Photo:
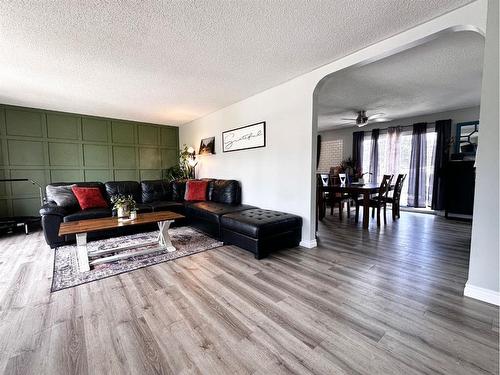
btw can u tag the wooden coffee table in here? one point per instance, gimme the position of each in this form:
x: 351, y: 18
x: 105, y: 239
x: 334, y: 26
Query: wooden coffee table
x: 81, y: 228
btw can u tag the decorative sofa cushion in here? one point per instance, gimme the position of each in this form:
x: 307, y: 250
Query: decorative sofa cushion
x: 62, y: 195
x: 196, y: 190
x: 89, y: 197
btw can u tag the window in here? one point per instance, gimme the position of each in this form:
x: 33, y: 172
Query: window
x: 366, y: 154
x: 403, y: 159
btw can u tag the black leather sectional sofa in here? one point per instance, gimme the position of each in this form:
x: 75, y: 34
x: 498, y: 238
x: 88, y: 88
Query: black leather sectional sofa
x: 222, y: 215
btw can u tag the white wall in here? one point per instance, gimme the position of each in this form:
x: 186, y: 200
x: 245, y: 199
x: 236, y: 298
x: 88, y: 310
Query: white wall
x: 345, y: 134
x: 276, y: 176
x: 281, y: 176
x: 484, y: 280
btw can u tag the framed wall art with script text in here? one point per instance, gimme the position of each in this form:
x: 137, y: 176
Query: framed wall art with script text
x: 250, y: 136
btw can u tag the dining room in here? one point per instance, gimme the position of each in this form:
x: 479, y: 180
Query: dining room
x: 398, y: 137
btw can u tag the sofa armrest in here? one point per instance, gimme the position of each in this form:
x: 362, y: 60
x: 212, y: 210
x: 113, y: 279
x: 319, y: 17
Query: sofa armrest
x: 52, y: 217
x: 51, y: 208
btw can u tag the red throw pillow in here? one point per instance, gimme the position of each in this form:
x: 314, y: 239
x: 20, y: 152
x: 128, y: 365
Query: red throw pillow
x: 196, y: 190
x: 89, y: 197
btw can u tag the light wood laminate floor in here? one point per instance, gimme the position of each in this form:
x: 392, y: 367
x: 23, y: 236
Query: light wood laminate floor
x: 385, y: 301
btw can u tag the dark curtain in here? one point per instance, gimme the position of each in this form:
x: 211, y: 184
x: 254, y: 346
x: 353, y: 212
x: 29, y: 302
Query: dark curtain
x: 443, y: 137
x: 374, y: 156
x: 318, y: 152
x: 417, y: 175
x: 357, y: 150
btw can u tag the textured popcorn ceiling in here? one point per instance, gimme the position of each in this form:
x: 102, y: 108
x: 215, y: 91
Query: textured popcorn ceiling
x: 441, y: 75
x: 173, y: 61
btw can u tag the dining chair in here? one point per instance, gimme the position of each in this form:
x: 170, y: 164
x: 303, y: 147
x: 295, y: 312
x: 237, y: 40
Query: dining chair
x: 396, y: 196
x: 330, y: 198
x: 343, y: 178
x: 327, y: 197
x: 320, y: 198
x: 378, y: 202
x: 325, y: 179
x: 341, y: 198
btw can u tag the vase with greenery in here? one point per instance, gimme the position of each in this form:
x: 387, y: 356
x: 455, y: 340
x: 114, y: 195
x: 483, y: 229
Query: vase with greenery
x: 124, y: 205
x: 182, y: 171
x: 348, y: 166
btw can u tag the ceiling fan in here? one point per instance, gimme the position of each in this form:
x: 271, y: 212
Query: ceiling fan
x: 362, y: 119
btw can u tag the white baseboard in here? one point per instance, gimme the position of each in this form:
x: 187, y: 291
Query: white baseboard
x: 482, y: 294
x: 309, y: 244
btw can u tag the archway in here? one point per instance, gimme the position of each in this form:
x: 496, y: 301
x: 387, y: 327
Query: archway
x: 377, y: 58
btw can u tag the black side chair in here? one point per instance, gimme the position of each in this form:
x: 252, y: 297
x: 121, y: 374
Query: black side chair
x: 325, y: 179
x: 339, y: 198
x: 378, y: 202
x: 322, y: 180
x: 331, y: 198
x: 396, y: 196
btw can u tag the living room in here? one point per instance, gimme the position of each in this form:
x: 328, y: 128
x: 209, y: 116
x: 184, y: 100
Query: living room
x: 159, y: 200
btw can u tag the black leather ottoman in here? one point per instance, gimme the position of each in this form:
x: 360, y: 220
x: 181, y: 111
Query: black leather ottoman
x: 261, y: 231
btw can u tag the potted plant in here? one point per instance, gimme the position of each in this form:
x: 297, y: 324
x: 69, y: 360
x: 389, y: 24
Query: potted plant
x: 348, y: 167
x: 185, y: 169
x: 174, y: 173
x: 124, y: 206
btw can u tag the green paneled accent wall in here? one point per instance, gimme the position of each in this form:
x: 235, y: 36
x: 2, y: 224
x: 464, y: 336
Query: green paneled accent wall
x: 49, y: 146
x: 19, y: 122
x: 95, y: 130
x: 63, y: 126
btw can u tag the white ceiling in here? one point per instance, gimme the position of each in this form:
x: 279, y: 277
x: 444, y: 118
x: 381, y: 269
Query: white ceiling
x: 173, y: 61
x: 441, y: 75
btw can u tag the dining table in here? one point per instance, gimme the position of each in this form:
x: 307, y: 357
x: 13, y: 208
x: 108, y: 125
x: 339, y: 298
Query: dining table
x: 354, y: 189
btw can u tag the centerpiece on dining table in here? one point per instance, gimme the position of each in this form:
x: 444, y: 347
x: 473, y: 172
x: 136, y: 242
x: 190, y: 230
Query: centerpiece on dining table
x: 349, y: 168
x: 125, y: 207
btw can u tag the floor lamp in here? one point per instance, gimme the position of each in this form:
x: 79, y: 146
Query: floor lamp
x: 25, y: 220
x: 40, y: 188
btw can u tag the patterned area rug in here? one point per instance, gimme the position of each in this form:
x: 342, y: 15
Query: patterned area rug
x: 186, y: 240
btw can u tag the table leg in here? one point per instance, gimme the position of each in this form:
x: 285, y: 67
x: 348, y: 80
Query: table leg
x: 98, y: 253
x: 366, y: 209
x: 163, y: 236
x: 164, y: 243
x: 81, y: 250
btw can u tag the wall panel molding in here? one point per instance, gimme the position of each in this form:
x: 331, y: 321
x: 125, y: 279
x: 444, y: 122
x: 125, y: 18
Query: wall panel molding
x: 50, y: 146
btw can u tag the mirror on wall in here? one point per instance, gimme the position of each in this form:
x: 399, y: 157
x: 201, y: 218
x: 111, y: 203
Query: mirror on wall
x: 467, y: 138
